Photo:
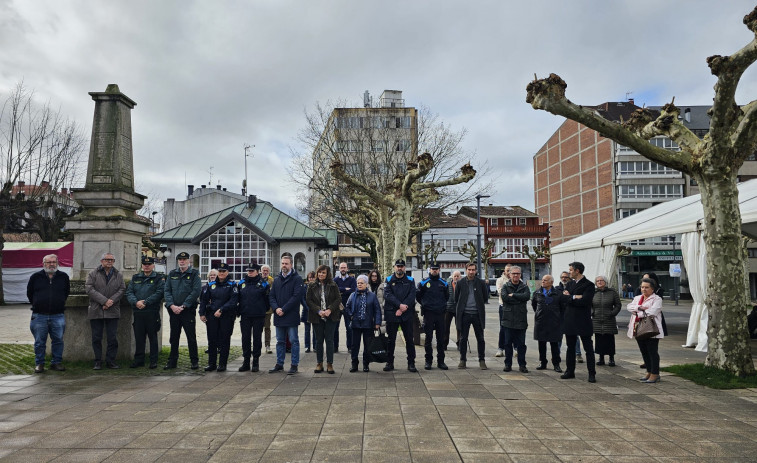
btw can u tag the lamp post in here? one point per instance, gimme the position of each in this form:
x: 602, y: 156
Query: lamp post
x: 152, y: 219
x: 675, y: 282
x: 244, y: 186
x: 478, y: 232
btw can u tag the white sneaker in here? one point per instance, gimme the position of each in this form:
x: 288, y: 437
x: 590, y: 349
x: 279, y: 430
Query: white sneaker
x: 500, y: 353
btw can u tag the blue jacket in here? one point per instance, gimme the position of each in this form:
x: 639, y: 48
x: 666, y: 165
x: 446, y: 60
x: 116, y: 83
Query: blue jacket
x: 343, y: 283
x: 221, y: 296
x: 253, y: 296
x: 432, y: 294
x: 372, y: 309
x: 286, y: 294
x: 399, y: 291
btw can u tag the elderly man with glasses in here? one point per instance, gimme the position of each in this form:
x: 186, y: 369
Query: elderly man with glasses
x: 105, y: 287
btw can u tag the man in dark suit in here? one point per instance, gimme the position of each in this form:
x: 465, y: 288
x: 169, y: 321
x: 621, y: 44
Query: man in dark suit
x: 471, y: 296
x: 578, y: 296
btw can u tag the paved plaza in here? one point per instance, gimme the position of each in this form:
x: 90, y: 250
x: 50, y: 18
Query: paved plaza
x: 438, y: 416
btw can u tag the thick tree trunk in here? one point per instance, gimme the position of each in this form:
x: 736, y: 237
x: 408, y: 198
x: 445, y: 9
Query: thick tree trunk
x: 727, y: 285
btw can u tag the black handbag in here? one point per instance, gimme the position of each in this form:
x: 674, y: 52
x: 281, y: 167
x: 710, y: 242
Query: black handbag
x: 377, y: 348
x: 645, y: 328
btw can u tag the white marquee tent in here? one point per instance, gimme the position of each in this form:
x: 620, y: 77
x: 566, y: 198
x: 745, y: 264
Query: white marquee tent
x: 597, y: 249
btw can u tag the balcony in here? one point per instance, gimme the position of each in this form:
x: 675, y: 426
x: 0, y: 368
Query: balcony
x: 519, y: 230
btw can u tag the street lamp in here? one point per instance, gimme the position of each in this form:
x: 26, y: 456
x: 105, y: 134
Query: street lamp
x: 478, y: 233
x: 152, y: 219
x: 244, y: 186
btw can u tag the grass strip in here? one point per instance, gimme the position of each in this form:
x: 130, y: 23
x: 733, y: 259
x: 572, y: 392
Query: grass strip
x: 711, y: 377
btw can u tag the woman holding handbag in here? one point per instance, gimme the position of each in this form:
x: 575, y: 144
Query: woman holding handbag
x: 323, y: 300
x: 645, y: 309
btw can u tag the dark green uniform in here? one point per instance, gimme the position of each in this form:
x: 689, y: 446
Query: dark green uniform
x: 146, y: 320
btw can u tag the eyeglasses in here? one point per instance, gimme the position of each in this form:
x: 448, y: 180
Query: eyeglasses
x: 600, y: 281
x: 514, y: 273
x: 51, y: 262
x: 109, y: 260
x: 565, y: 278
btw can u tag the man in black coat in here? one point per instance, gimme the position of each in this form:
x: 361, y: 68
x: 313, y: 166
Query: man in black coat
x: 578, y: 297
x: 284, y: 298
x: 253, y: 305
x: 399, y: 311
x: 47, y: 291
x: 432, y: 294
x: 471, y: 296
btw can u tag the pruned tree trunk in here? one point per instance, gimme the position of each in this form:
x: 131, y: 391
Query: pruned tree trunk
x: 713, y: 162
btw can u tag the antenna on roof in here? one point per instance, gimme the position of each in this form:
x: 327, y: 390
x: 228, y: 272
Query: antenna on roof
x: 628, y: 95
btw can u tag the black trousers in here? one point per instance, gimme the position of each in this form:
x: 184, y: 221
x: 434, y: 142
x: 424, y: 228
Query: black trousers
x: 650, y: 354
x: 367, y: 335
x: 186, y: 321
x: 110, y: 326
x: 146, y: 325
x: 469, y: 320
x: 407, y: 332
x: 347, y: 333
x: 449, y: 317
x: 434, y: 322
x: 555, y: 347
x: 219, y: 337
x: 252, y: 335
x: 570, y: 353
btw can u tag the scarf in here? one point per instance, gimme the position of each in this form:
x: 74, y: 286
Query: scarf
x: 360, y: 303
x: 323, y: 296
x: 547, y: 298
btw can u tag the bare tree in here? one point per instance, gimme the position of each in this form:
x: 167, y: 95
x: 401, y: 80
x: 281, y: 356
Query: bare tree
x: 534, y: 253
x: 713, y: 162
x: 469, y: 250
x: 43, y: 149
x: 374, y: 150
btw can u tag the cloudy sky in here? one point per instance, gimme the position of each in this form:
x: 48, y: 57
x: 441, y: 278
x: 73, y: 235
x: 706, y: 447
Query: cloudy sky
x: 209, y: 77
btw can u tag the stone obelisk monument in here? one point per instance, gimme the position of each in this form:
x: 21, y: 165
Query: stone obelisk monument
x: 108, y: 220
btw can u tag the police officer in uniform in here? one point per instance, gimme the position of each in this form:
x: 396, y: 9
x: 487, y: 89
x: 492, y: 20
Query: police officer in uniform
x: 432, y: 294
x: 253, y: 305
x: 144, y: 294
x: 399, y: 311
x: 218, y: 310
x: 183, y: 287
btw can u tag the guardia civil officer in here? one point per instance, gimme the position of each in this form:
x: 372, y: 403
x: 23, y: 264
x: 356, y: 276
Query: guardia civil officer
x: 399, y: 311
x: 433, y: 294
x: 253, y: 304
x: 144, y: 293
x: 183, y: 287
x: 218, y: 310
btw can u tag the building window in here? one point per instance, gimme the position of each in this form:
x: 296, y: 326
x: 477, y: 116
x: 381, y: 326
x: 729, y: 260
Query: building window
x: 494, y: 222
x: 512, y: 246
x: 665, y: 142
x: 522, y: 221
x: 508, y: 222
x: 377, y: 146
x: 751, y: 252
x: 649, y: 191
x: 623, y: 213
x: 235, y: 245
x: 644, y: 168
x: 404, y: 122
x: 404, y: 145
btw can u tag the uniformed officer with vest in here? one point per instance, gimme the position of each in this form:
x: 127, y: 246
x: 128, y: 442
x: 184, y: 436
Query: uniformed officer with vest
x: 218, y: 310
x: 399, y: 311
x: 183, y: 287
x: 432, y: 294
x: 144, y: 293
x: 253, y: 304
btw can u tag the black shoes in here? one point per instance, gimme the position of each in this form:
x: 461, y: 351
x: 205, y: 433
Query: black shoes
x: 427, y: 366
x: 508, y: 368
x: 523, y: 369
x: 389, y: 367
x: 411, y: 368
x: 136, y: 365
x: 365, y: 368
x: 255, y: 367
x: 568, y: 375
x: 245, y: 366
x: 98, y: 365
x: 601, y: 363
x: 276, y: 368
x: 293, y: 370
x: 171, y: 366
x: 542, y: 366
x: 442, y: 366
x: 592, y: 378
x: 221, y: 368
x: 558, y: 369
x: 154, y: 365
x: 194, y: 366
x: 112, y: 365
x: 354, y: 368
x: 211, y: 368
x: 57, y: 367
x: 40, y: 368
x: 611, y: 363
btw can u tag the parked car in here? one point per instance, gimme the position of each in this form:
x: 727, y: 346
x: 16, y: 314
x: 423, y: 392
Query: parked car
x: 492, y: 286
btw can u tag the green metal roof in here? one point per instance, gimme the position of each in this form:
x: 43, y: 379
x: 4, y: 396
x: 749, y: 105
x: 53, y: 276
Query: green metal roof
x: 265, y: 220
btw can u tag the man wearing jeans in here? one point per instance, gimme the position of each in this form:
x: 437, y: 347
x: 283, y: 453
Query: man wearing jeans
x: 471, y: 296
x: 47, y: 291
x: 285, y: 298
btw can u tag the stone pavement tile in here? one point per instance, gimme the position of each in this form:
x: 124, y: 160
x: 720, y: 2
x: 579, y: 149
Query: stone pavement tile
x: 533, y: 458
x: 305, y: 429
x: 341, y: 429
x: 248, y: 441
x: 434, y: 456
x: 155, y: 441
x: 562, y: 447
x: 713, y: 449
x: 84, y: 456
x: 550, y: 433
x: 186, y: 455
x: 215, y: 427
x: 511, y: 432
x: 383, y: 443
x: 450, y: 401
x: 180, y: 427
x: 109, y: 440
x: 8, y: 426
x: 383, y: 429
x: 201, y: 441
x: 224, y: 455
x: 385, y: 419
x: 252, y: 426
x: 527, y: 446
x: 473, y: 430
x: 639, y: 434
x: 476, y: 444
x: 446, y: 394
x: 337, y: 456
x: 497, y: 420
x: 432, y: 443
x: 422, y: 429
x: 290, y: 456
x: 382, y: 456
x: 485, y: 457
x: 618, y: 448
x: 288, y: 442
x: 587, y: 459
x: 30, y: 455
x: 331, y: 443
x: 539, y: 421
x: 420, y: 409
x: 131, y: 455
x: 354, y: 417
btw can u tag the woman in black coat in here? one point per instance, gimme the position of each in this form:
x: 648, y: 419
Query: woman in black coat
x: 547, y: 318
x: 604, y: 308
x: 323, y: 300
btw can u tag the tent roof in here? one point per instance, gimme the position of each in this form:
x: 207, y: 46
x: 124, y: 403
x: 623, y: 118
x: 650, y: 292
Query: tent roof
x: 52, y: 246
x: 669, y: 218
